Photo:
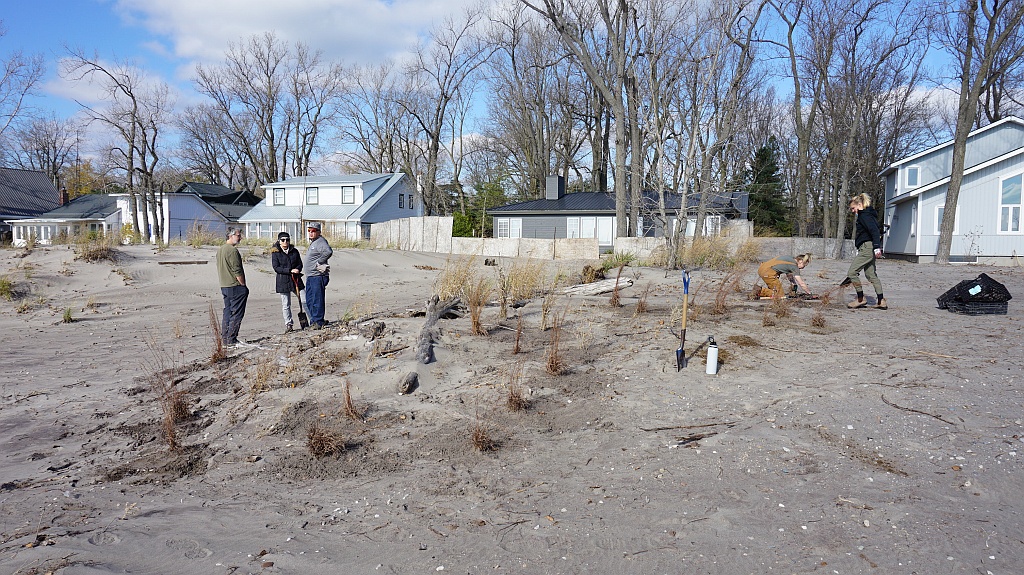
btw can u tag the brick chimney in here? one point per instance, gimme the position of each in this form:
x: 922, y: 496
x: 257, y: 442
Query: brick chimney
x: 64, y: 199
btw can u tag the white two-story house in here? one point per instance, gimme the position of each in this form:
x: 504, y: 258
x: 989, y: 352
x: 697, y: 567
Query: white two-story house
x: 344, y: 205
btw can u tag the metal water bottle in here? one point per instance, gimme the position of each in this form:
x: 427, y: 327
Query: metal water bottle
x: 712, y: 367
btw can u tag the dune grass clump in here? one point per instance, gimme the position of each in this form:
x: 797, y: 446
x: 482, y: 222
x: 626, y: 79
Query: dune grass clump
x: 818, y: 319
x: 767, y: 319
x: 615, y: 300
x: 348, y: 407
x: 781, y: 307
x: 617, y: 260
x: 199, y: 235
x: 96, y: 249
x: 218, y: 352
x: 477, y: 292
x: 480, y: 436
x: 455, y: 275
x: 520, y: 282
x: 641, y: 302
x: 708, y: 253
x: 515, y: 398
x: 554, y: 362
x: 322, y: 441
x: 729, y: 284
x: 748, y: 252
x: 7, y: 288
x: 67, y: 318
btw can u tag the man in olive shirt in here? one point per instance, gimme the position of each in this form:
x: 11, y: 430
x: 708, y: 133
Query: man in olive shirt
x: 232, y: 286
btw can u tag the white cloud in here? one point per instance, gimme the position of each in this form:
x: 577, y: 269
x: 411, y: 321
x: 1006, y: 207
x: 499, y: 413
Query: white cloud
x: 354, y: 31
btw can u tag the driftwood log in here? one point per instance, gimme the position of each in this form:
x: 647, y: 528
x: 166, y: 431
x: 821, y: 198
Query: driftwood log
x: 436, y: 309
x: 598, y: 287
x: 410, y: 381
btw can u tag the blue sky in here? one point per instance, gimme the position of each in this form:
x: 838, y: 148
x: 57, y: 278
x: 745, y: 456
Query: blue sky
x: 167, y: 38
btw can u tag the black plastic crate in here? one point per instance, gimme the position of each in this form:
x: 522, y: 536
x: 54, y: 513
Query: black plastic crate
x: 982, y: 289
x: 978, y: 307
x: 952, y: 294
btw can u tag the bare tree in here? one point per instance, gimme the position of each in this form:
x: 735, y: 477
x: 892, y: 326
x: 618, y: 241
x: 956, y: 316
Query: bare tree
x: 21, y: 74
x: 987, y: 43
x: 136, y: 111
x: 275, y: 100
x: 47, y: 145
x: 442, y: 73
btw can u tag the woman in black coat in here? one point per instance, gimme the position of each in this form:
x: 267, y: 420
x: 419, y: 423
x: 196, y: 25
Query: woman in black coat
x: 287, y: 263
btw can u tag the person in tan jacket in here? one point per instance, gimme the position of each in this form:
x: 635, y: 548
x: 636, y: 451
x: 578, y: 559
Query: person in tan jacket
x: 771, y: 270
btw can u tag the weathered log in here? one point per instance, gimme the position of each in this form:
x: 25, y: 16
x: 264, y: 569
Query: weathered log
x: 435, y: 310
x: 597, y: 288
x: 371, y: 330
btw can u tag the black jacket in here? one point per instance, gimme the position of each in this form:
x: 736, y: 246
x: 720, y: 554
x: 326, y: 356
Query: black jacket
x: 867, y: 228
x: 283, y: 264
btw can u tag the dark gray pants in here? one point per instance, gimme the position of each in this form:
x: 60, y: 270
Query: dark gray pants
x: 234, y: 310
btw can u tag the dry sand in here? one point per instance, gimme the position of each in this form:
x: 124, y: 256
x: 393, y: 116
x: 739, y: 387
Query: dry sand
x: 881, y: 442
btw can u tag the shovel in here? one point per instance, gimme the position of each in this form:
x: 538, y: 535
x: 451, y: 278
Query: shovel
x: 680, y: 354
x: 303, y: 320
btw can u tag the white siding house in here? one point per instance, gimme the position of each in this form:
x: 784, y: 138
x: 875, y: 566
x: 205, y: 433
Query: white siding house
x: 103, y: 214
x: 988, y: 223
x: 344, y: 205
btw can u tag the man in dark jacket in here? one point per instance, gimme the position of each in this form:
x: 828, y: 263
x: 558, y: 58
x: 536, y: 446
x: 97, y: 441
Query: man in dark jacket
x: 869, y: 247
x: 287, y: 262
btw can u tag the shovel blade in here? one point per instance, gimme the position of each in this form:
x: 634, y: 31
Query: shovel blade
x: 680, y: 359
x: 303, y: 320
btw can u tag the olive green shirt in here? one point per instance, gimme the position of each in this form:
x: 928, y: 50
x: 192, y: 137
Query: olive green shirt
x: 229, y: 265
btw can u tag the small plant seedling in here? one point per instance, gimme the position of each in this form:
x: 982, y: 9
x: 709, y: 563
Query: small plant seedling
x: 67, y: 316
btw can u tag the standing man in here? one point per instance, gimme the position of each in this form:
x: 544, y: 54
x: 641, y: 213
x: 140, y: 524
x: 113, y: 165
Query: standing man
x: 317, y: 275
x: 232, y: 286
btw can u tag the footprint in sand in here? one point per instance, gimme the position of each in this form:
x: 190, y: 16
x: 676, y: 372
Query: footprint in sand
x: 190, y: 548
x: 104, y: 538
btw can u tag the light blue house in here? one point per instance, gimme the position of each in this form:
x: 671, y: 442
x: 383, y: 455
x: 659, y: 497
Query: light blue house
x: 344, y: 205
x: 988, y: 223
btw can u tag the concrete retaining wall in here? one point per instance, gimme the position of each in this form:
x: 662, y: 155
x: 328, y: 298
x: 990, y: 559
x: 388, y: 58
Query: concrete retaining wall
x: 434, y: 234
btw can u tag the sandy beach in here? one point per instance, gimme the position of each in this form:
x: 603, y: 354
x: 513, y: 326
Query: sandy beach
x: 833, y: 441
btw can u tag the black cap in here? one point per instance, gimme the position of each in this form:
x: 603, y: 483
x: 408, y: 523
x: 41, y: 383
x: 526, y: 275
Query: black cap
x: 283, y: 236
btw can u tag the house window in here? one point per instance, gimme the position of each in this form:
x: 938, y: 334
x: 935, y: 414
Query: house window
x: 939, y: 211
x: 572, y: 227
x: 1009, y: 205
x: 401, y: 201
x: 411, y: 201
x: 348, y: 194
x: 913, y: 176
x: 312, y: 196
x: 508, y: 227
x: 278, y: 196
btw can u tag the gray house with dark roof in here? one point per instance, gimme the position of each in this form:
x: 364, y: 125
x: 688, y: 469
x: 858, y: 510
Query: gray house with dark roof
x: 24, y: 194
x: 592, y: 215
x: 987, y: 223
x: 232, y: 204
x: 97, y: 214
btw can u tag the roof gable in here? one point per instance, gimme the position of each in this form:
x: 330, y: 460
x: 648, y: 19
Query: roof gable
x: 88, y: 206
x: 26, y: 193
x: 1001, y: 128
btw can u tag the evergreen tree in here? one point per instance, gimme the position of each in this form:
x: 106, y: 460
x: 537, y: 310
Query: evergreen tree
x: 766, y: 192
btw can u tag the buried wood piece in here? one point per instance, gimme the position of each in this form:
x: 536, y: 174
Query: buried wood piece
x: 598, y: 287
x: 434, y: 311
x: 408, y: 383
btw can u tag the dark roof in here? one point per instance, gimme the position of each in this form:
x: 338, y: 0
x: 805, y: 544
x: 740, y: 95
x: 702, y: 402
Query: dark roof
x: 218, y: 194
x: 26, y: 194
x: 601, y: 202
x: 85, y: 207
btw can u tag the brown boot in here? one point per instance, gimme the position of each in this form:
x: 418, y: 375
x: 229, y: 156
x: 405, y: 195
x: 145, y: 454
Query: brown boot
x: 882, y: 304
x: 857, y: 303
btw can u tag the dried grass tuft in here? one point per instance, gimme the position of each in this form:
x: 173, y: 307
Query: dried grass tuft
x: 456, y: 274
x: 218, y: 353
x: 767, y: 320
x: 516, y: 399
x: 554, y: 363
x: 322, y: 441
x: 749, y: 251
x: 615, y: 300
x: 477, y: 292
x: 522, y: 281
x: 781, y: 306
x: 709, y: 253
x: 517, y: 348
x: 480, y: 437
x: 641, y: 302
x: 96, y: 249
x: 818, y: 319
x: 348, y: 408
